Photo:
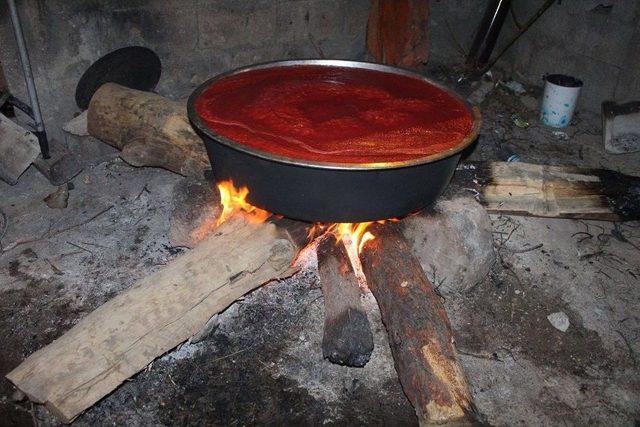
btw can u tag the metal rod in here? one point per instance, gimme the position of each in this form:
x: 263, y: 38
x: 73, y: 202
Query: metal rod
x: 487, y: 34
x: 28, y: 77
x: 546, y: 5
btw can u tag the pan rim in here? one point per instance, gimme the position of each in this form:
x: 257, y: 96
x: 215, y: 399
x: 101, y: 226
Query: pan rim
x: 202, y: 127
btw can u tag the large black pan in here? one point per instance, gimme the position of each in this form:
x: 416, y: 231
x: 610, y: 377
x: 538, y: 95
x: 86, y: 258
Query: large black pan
x: 328, y: 192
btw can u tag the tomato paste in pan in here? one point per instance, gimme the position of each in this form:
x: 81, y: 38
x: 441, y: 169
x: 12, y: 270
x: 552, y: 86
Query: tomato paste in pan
x: 334, y: 114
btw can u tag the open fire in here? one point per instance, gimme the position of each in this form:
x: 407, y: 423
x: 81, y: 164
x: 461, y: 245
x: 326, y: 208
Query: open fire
x: 352, y: 235
x: 235, y: 200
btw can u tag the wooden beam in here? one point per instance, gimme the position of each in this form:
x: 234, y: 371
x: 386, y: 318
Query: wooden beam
x: 419, y: 331
x: 156, y: 314
x: 347, y: 338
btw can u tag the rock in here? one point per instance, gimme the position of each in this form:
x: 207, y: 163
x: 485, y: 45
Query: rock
x: 484, y: 88
x: 59, y: 198
x: 563, y: 136
x: 18, y: 396
x: 61, y: 167
x: 197, y: 208
x: 77, y: 126
x: 3, y: 224
x: 453, y: 242
x: 89, y: 151
x: 559, y: 320
x: 530, y: 102
x: 515, y: 86
x: 621, y: 127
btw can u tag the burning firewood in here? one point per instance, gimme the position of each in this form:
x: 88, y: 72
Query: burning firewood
x: 347, y: 336
x: 419, y: 331
x: 149, y: 129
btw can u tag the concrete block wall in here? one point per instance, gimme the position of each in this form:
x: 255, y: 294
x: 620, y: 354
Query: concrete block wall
x: 597, y: 41
x: 195, y: 39
x: 452, y: 26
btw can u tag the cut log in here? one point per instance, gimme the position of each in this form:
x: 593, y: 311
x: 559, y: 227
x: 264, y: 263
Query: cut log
x: 419, y: 331
x: 149, y: 129
x: 552, y: 191
x: 347, y: 339
x: 156, y: 314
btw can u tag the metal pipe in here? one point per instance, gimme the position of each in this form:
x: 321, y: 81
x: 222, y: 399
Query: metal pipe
x: 28, y: 77
x: 546, y: 5
x: 487, y: 34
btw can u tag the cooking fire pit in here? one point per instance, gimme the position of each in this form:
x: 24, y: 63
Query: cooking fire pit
x: 333, y: 141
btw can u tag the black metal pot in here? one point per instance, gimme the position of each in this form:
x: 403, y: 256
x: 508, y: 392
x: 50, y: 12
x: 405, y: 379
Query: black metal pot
x: 326, y: 192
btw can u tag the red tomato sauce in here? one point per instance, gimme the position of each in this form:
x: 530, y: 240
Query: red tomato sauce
x: 334, y: 114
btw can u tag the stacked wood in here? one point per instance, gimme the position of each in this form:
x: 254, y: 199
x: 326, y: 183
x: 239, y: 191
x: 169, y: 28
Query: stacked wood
x: 552, y: 191
x: 419, y: 331
x: 157, y: 313
x: 347, y: 339
x: 149, y: 129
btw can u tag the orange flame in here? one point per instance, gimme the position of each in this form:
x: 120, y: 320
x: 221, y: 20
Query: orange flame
x: 235, y: 200
x: 354, y: 235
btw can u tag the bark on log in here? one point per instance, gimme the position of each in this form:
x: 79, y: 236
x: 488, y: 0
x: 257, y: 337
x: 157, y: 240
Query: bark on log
x: 419, y: 331
x: 149, y: 129
x: 347, y: 338
x: 156, y: 314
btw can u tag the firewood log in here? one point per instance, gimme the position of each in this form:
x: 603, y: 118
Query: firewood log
x: 419, y: 331
x: 149, y: 129
x: 157, y: 313
x: 552, y: 191
x: 347, y: 339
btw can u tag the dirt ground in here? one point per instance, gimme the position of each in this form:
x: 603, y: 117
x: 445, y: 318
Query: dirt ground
x: 263, y: 363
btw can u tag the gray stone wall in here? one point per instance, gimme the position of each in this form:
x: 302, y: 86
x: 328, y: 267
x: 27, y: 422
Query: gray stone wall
x: 195, y: 39
x: 598, y: 41
x: 595, y: 40
x: 453, y: 24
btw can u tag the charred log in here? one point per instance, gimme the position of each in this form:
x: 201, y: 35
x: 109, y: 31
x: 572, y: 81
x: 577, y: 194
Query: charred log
x: 347, y: 339
x: 419, y: 331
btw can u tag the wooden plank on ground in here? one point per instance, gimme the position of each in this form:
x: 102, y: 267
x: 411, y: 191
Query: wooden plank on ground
x: 156, y: 314
x: 18, y: 148
x: 552, y: 191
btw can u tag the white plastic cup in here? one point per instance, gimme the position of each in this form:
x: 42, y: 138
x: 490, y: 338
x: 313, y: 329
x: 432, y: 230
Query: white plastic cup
x: 559, y: 100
